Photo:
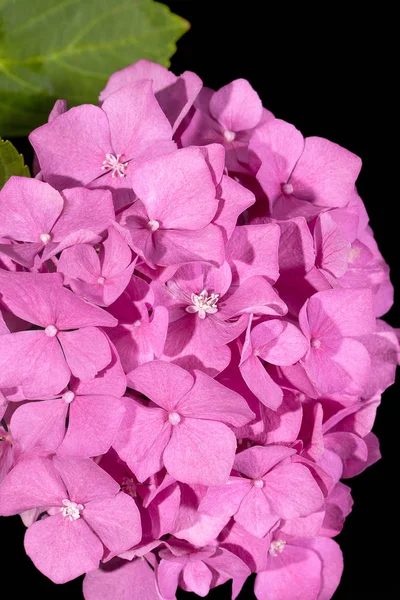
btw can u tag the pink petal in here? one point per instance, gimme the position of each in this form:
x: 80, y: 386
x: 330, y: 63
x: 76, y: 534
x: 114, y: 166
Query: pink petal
x: 30, y: 296
x: 225, y: 500
x: 255, y: 462
x: 247, y: 248
x: 40, y: 425
x: 168, y: 573
x: 62, y: 549
x: 44, y: 372
x: 111, y: 381
x: 210, y: 443
x: 164, y: 383
x: 260, y: 383
x: 73, y: 134
x: 292, y: 491
x: 116, y: 521
x: 197, y: 528
x: 325, y: 173
x: 295, y: 574
x: 176, y: 247
x: 142, y: 438
x: 84, y: 209
x: 332, y: 564
x: 93, y: 424
x: 32, y: 483
x: 227, y: 106
x: 86, y: 350
x: 79, y: 263
x: 296, y: 248
x: 279, y: 145
x: 200, y: 403
x: 177, y: 190
x: 233, y: 200
x: 132, y: 580
x: 255, y: 513
x: 279, y: 342
x: 85, y: 480
x: 255, y: 295
x: 332, y: 248
x: 28, y: 209
x: 351, y: 312
x: 197, y: 577
x: 136, y: 119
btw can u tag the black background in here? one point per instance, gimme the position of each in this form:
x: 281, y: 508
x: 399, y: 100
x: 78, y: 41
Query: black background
x: 332, y: 74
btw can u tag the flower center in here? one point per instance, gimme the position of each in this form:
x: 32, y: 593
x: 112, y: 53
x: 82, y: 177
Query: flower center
x: 174, y: 418
x: 113, y: 163
x: 51, y: 330
x: 45, y: 238
x: 315, y: 343
x: 128, y: 486
x: 71, y: 510
x: 153, y: 225
x: 101, y: 281
x: 277, y: 547
x: 229, y: 135
x: 258, y: 483
x: 68, y: 397
x: 203, y: 304
x: 287, y: 188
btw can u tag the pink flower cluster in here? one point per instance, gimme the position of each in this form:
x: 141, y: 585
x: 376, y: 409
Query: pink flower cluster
x: 191, y: 354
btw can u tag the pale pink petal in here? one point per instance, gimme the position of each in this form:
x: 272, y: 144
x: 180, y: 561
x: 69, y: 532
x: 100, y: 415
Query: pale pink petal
x: 325, y: 173
x: 332, y: 564
x: 292, y: 491
x: 129, y: 580
x: 210, y: 400
x: 177, y: 190
x: 142, y: 438
x: 197, y: 577
x: 279, y: 145
x: 279, y: 342
x: 62, y: 549
x: 93, y: 424
x: 176, y: 247
x: 248, y: 247
x: 40, y: 425
x: 136, y: 119
x: 164, y: 383
x: 78, y: 149
x: 28, y: 209
x: 294, y: 574
x: 168, y: 573
x: 86, y: 350
x: 236, y: 106
x: 84, y: 209
x: 260, y: 382
x: 332, y: 248
x: 84, y: 479
x: 225, y: 500
x: 255, y: 513
x: 115, y: 520
x: 255, y: 462
x: 196, y: 441
x: 43, y: 373
x: 32, y: 483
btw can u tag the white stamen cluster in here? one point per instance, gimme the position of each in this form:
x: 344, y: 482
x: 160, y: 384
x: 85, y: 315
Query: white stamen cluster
x: 113, y: 162
x: 277, y: 547
x: 203, y: 304
x: 71, y: 510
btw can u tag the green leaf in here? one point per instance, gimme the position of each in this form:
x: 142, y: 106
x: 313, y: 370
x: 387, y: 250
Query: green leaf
x: 51, y: 49
x: 11, y: 163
